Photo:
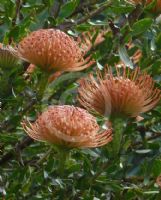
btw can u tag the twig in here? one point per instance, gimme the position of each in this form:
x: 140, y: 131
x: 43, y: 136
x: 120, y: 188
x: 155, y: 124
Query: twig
x: 67, y: 25
x: 18, y: 5
x: 55, y: 9
x: 102, y: 168
x: 83, y: 5
x: 115, y: 30
x: 45, y: 156
x: 133, y: 179
x: 132, y: 18
x: 6, y: 124
x: 26, y: 141
x: 135, y: 14
x: 153, y: 137
x: 92, y: 14
x: 90, y: 180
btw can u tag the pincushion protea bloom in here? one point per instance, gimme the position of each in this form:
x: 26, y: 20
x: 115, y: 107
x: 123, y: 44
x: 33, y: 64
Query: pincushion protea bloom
x: 126, y: 94
x: 7, y: 58
x: 84, y: 42
x: 157, y: 8
x: 67, y: 125
x: 53, y: 50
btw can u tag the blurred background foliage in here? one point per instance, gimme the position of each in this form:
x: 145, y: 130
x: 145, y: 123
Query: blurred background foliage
x: 28, y: 169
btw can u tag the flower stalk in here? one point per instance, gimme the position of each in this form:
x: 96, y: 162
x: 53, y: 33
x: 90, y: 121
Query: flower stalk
x: 42, y: 84
x: 63, y: 154
x: 118, y: 126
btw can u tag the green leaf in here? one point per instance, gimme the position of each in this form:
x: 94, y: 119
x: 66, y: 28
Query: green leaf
x: 125, y: 57
x: 158, y: 41
x: 99, y: 65
x: 141, y: 26
x: 143, y: 151
x: 152, y: 192
x: 156, y: 168
x: 68, y: 8
x: 121, y: 9
x: 151, y: 5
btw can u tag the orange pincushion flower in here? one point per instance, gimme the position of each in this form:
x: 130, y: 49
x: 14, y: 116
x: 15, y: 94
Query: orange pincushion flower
x: 157, y: 8
x: 53, y: 50
x: 68, y: 125
x: 126, y: 94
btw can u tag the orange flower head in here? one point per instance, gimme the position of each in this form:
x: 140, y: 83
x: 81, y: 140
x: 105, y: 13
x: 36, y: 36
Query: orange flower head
x: 157, y: 8
x: 53, y: 50
x: 127, y: 94
x: 68, y: 125
x: 7, y: 57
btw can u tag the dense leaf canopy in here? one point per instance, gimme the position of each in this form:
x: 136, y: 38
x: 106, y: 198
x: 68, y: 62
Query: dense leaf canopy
x: 117, y: 37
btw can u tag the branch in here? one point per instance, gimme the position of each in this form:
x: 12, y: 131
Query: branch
x: 133, y: 179
x: 115, y: 30
x: 5, y: 125
x: 153, y: 137
x: 67, y: 25
x: 132, y: 18
x: 26, y: 141
x: 92, y: 14
x: 102, y: 169
x: 55, y: 9
x: 17, y: 14
x: 18, y: 5
x: 83, y: 5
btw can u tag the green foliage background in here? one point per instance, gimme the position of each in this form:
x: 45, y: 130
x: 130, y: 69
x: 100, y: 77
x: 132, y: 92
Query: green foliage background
x: 28, y: 169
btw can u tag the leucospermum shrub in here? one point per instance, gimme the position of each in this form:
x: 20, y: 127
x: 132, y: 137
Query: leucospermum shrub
x: 80, y: 100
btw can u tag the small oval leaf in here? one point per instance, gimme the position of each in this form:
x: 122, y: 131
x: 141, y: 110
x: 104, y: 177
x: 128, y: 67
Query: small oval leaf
x: 141, y: 26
